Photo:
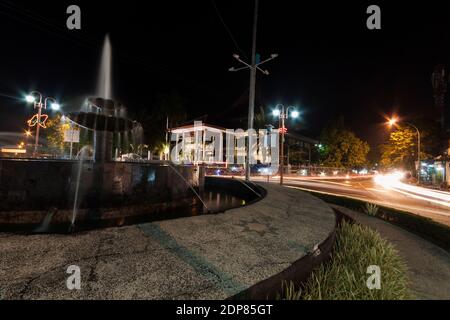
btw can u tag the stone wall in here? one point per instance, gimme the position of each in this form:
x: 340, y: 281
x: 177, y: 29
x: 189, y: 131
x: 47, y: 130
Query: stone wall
x: 40, y: 185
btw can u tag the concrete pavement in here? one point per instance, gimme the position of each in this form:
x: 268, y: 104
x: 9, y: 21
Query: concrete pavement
x: 202, y: 257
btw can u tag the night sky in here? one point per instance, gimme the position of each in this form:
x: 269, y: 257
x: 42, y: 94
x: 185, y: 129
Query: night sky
x: 329, y: 63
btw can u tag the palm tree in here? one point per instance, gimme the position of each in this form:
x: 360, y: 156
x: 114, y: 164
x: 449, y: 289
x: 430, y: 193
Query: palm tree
x: 260, y: 119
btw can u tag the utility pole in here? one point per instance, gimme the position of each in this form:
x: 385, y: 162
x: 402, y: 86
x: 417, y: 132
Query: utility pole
x: 254, y: 66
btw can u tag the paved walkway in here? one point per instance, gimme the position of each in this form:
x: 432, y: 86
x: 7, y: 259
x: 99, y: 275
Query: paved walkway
x: 203, y: 257
x: 428, y: 264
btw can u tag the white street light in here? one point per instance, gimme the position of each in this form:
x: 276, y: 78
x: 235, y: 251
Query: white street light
x: 30, y: 99
x: 36, y: 97
x: 55, y: 106
x: 283, y: 114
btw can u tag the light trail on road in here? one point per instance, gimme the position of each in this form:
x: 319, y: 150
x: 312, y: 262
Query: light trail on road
x: 393, y: 182
x: 383, y: 190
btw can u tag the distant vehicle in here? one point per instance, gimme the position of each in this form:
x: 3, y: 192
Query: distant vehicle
x: 262, y: 169
x: 237, y: 170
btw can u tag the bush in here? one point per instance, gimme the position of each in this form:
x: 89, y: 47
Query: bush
x: 344, y: 277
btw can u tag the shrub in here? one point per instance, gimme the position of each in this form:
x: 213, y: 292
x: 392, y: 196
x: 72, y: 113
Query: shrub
x: 344, y: 277
x: 371, y: 209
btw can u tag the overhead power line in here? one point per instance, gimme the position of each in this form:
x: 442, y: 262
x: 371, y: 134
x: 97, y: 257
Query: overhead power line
x: 227, y: 29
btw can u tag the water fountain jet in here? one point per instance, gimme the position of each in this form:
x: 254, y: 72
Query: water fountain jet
x: 104, y: 84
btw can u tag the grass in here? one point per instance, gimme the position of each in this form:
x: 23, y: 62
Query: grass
x: 435, y: 232
x: 344, y: 277
x: 371, y: 209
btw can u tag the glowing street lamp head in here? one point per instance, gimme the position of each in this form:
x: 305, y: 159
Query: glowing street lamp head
x: 28, y: 133
x: 392, y: 121
x: 295, y: 114
x: 30, y: 99
x: 276, y: 112
x: 55, y: 106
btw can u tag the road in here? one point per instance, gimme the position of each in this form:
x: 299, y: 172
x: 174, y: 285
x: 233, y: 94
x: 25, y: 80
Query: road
x: 383, y: 190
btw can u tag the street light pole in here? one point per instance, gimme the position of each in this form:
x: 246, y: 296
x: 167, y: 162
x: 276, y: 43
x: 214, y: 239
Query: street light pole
x: 39, y: 105
x: 254, y: 66
x: 251, y: 102
x: 418, y: 150
x: 394, y: 121
x: 283, y: 115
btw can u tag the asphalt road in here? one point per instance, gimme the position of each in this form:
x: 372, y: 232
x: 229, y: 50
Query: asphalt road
x: 421, y: 201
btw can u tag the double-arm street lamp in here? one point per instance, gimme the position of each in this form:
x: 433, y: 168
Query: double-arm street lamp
x: 38, y: 120
x: 283, y: 114
x: 254, y: 66
x: 394, y: 121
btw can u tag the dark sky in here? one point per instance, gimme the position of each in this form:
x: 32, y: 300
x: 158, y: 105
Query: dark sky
x: 329, y: 63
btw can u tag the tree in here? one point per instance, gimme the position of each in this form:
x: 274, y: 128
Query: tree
x: 139, y: 149
x: 54, y: 133
x: 170, y: 105
x: 401, y: 150
x: 341, y: 148
x: 260, y: 119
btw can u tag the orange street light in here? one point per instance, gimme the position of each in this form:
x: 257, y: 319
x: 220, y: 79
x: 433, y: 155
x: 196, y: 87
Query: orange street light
x: 395, y: 120
x: 392, y: 122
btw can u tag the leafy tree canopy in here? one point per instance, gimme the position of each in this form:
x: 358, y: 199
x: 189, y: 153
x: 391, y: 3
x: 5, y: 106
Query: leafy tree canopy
x: 401, y: 149
x: 341, y: 148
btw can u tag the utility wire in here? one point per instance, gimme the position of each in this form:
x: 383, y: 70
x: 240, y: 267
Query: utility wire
x: 227, y: 28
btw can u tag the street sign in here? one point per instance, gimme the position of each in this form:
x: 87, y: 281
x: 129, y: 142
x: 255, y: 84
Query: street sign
x: 71, y: 135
